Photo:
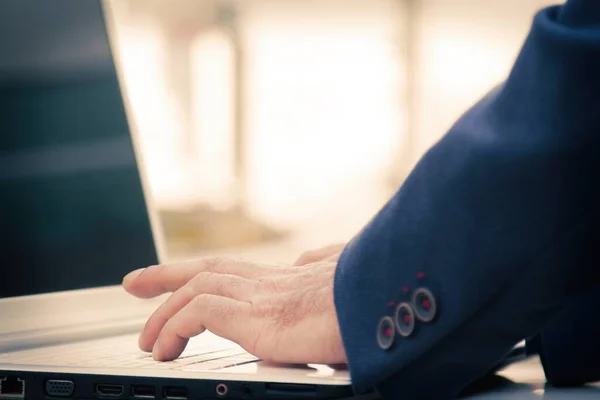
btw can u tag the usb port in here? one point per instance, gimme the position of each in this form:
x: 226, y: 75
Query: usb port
x: 143, y: 391
x: 107, y: 390
x: 175, y: 393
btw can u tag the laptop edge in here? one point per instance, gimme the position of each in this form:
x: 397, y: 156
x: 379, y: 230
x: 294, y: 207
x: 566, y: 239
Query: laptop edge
x: 76, y: 315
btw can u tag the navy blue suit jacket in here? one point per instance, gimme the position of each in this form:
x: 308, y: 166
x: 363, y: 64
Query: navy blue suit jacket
x: 492, y: 238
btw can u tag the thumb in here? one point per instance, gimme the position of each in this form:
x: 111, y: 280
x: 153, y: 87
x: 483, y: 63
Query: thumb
x: 327, y: 253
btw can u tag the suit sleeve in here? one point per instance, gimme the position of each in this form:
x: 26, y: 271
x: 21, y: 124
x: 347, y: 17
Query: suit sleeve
x: 568, y: 347
x: 491, y: 234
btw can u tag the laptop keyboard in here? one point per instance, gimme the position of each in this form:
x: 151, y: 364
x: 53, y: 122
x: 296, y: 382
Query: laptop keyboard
x: 203, y: 353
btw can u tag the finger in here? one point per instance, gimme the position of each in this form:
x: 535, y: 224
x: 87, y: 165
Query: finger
x: 229, y: 286
x: 222, y: 316
x: 333, y: 258
x: 319, y: 254
x: 156, y: 280
x: 316, y: 274
x: 159, y: 279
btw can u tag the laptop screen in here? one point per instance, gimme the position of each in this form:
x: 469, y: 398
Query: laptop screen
x: 72, y: 209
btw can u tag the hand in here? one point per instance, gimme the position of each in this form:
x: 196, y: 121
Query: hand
x: 278, y: 314
x: 327, y: 253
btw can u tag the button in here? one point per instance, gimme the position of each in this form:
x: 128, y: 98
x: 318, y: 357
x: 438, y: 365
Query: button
x: 405, y: 319
x: 385, y: 333
x: 424, y: 305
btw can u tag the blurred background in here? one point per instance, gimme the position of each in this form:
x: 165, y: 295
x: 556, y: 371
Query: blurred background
x: 287, y: 124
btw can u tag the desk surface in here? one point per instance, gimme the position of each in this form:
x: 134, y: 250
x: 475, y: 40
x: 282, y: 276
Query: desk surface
x: 525, y: 380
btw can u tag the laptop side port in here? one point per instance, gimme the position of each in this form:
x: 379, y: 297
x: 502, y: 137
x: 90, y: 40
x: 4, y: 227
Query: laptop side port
x: 59, y: 388
x: 143, y: 392
x: 222, y: 389
x: 12, y: 388
x: 108, y: 390
x: 291, y: 389
x: 175, y: 393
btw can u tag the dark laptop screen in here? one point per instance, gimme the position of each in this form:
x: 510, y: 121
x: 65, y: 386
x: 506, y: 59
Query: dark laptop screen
x: 72, y: 211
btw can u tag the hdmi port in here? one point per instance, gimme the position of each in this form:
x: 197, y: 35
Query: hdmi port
x: 106, y: 390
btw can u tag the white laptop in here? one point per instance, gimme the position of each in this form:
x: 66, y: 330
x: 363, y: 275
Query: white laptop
x: 74, y: 220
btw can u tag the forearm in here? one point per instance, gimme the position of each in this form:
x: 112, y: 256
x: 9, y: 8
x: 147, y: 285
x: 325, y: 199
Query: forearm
x: 495, y: 216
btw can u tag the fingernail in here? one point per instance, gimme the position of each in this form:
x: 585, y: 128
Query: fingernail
x: 156, y: 351
x: 143, y: 342
x: 133, y: 274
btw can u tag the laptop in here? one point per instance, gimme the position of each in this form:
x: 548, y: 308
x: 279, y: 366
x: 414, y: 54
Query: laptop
x: 75, y: 217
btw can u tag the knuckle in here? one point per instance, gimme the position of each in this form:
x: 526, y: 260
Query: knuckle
x: 190, y: 291
x: 216, y: 264
x: 196, y: 284
x: 158, y: 270
x: 222, y: 288
x: 204, y: 276
x: 231, y: 284
x: 215, y: 283
x: 271, y: 285
x: 206, y: 264
x: 207, y: 306
x: 265, y: 307
x: 161, y: 276
x: 202, y: 301
x: 232, y: 281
